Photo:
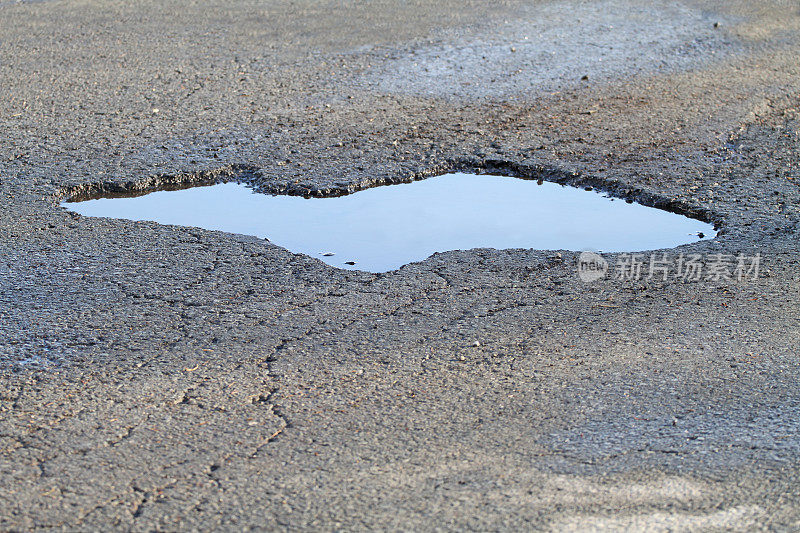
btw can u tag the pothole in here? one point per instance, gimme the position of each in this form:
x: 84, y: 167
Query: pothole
x: 383, y: 228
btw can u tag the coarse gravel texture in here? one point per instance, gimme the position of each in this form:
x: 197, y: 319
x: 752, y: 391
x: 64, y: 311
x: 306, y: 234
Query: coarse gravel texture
x: 166, y: 378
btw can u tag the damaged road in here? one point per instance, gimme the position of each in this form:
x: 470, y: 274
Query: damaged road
x: 159, y: 378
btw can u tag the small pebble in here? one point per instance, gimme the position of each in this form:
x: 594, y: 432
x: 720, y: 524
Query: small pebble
x: 476, y: 343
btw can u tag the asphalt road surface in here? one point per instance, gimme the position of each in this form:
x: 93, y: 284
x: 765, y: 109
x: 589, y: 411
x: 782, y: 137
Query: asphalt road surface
x: 167, y: 378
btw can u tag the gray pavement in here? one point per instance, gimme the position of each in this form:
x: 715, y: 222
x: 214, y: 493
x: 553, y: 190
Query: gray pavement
x: 166, y: 378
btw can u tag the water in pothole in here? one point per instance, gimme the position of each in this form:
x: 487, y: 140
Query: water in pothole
x: 383, y: 228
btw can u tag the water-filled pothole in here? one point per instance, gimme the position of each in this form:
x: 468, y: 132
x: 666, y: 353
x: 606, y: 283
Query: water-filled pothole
x: 383, y: 228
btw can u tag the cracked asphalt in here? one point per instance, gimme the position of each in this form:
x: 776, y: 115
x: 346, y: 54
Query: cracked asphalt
x: 167, y: 378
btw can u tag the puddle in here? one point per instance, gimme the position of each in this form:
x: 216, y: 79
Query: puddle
x: 384, y: 228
